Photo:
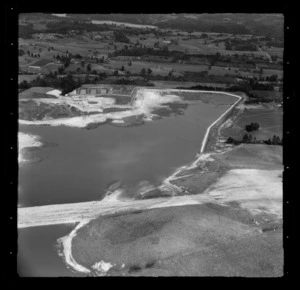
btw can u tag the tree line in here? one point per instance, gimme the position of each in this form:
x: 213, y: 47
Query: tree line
x: 248, y: 139
x: 65, y: 84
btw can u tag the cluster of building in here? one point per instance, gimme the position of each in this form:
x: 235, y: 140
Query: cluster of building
x: 95, y: 90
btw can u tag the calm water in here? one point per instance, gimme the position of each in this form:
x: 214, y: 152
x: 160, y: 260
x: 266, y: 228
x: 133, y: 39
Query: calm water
x: 83, y: 163
x: 38, y: 252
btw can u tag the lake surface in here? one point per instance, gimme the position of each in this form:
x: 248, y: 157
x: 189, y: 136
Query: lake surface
x: 38, y: 252
x: 84, y: 162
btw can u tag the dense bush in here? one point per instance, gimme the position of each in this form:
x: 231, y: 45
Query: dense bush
x: 64, y: 27
x: 124, y: 81
x: 252, y: 127
x: 250, y: 140
x: 24, y: 85
x: 240, y: 45
x: 274, y: 141
x: 66, y: 84
x: 141, y: 51
x: 121, y: 37
x: 21, y: 52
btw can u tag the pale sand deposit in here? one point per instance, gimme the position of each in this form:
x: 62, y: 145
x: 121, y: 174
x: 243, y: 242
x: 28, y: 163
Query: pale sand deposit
x: 25, y: 141
x: 66, y: 243
x: 255, y: 190
x: 55, y: 93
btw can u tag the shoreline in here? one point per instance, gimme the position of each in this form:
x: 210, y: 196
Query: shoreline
x: 166, y: 184
x: 137, y: 104
x: 26, y: 141
x: 66, y: 241
x: 66, y: 244
x: 202, y: 156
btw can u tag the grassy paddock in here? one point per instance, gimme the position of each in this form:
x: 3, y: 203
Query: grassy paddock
x: 270, y: 121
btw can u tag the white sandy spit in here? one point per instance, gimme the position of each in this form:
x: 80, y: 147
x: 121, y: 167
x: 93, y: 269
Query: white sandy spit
x: 24, y: 141
x: 66, y: 243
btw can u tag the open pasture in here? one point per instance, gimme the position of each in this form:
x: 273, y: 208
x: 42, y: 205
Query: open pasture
x: 269, y: 120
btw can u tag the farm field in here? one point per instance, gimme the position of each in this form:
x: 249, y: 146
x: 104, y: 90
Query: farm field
x: 238, y: 72
x: 174, y: 84
x: 202, y: 47
x: 269, y: 119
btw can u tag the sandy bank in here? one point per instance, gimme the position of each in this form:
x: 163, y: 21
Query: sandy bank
x: 66, y: 244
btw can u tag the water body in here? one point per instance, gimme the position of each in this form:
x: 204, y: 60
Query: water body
x: 38, y: 252
x: 83, y: 163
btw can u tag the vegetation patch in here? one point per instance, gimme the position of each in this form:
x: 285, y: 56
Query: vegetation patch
x: 270, y: 228
x: 31, y: 110
x: 150, y: 264
x: 252, y: 127
x: 134, y: 268
x: 111, y: 110
x: 95, y: 125
x: 270, y: 121
x: 42, y: 62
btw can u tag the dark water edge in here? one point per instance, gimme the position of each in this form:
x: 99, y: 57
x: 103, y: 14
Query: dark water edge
x: 31, y: 153
x: 38, y: 252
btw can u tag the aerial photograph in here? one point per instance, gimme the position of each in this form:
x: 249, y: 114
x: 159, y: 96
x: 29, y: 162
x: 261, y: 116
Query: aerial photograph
x: 150, y: 145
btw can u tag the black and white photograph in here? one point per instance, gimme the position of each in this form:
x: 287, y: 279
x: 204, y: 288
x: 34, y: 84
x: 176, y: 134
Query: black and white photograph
x: 150, y: 145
